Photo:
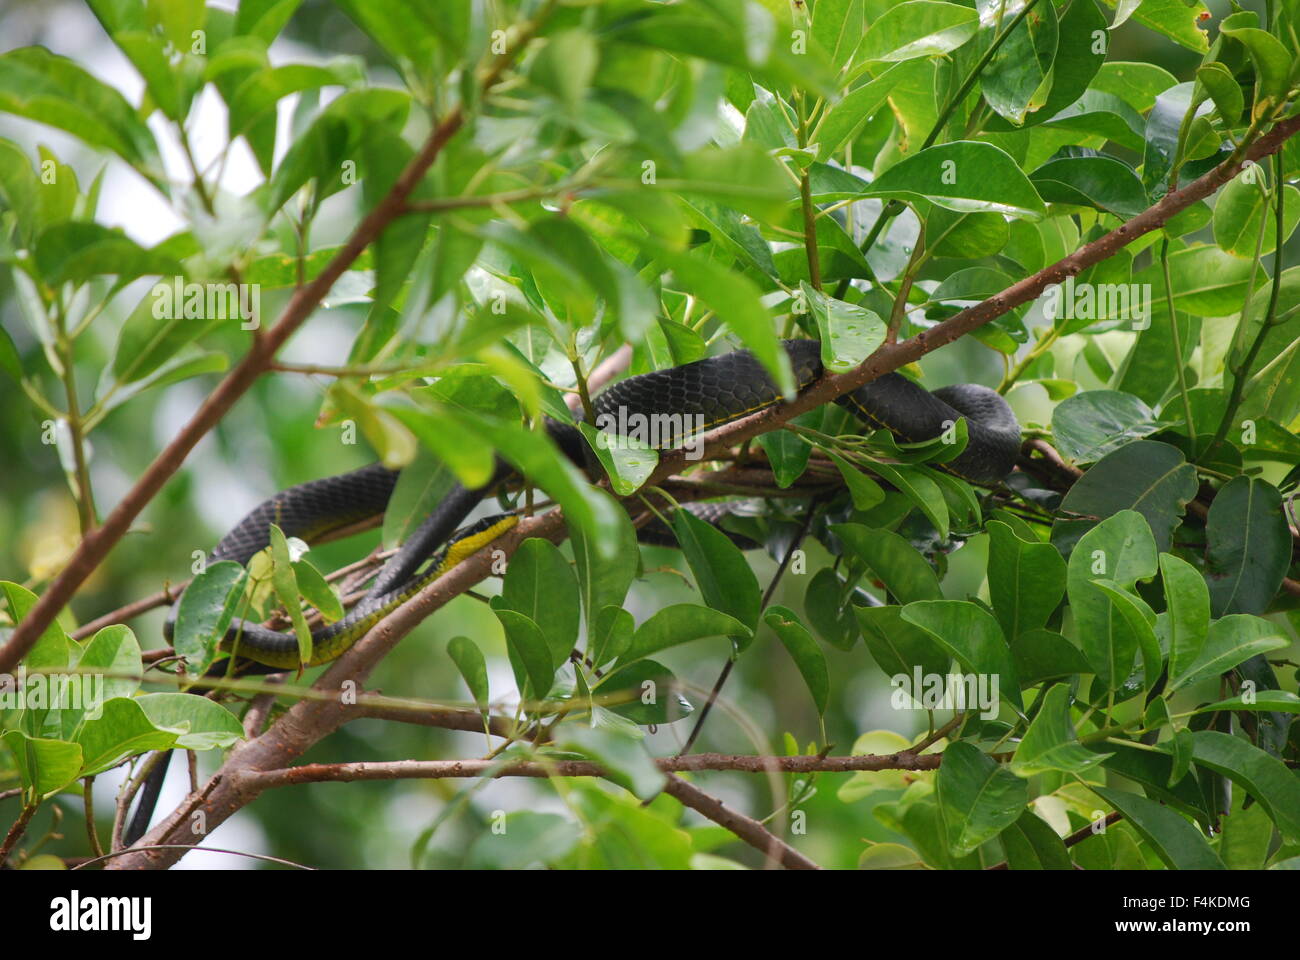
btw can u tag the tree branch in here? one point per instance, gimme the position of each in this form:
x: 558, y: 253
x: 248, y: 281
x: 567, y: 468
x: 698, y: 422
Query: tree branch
x: 746, y: 828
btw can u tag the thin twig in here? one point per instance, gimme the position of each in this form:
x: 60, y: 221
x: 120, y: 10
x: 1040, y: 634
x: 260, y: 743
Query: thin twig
x: 16, y: 832
x: 746, y: 828
x: 88, y: 799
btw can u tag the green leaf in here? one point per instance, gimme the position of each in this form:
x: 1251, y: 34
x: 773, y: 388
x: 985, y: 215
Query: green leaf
x: 890, y: 856
x: 540, y: 585
x: 1031, y: 844
x: 527, y: 838
x: 978, y: 797
x: 121, y: 730
x: 1175, y: 841
x: 918, y: 28
x: 564, y: 67
x: 610, y: 635
x: 264, y: 19
x: 837, y: 28
x: 898, y: 647
x: 1178, y: 20
x: 736, y: 300
x: 973, y: 637
x: 845, y: 119
x: 335, y: 136
x: 469, y: 661
x: 849, y: 333
x: 1224, y: 90
x: 972, y: 283
x: 807, y: 656
x: 1077, y: 61
x: 1264, y: 777
x: 1119, y: 549
x: 421, y: 486
x: 645, y: 692
x: 882, y: 743
x: 114, y: 649
x: 285, y: 581
x: 1050, y: 742
x: 390, y: 437
x: 1045, y: 655
x: 678, y: 624
x: 260, y: 91
x: 966, y: 176
x: 906, y: 574
x: 50, y: 89
x: 727, y: 229
x: 1249, y: 546
x: 1282, y: 701
x: 1146, y: 476
x: 864, y: 491
x: 415, y: 34
x: 1018, y: 79
x: 964, y: 235
x: 1238, y: 213
x: 1163, y: 124
x: 605, y: 582
x: 530, y: 654
x: 1230, y: 641
x: 743, y: 176
x: 75, y: 251
x: 1141, y: 621
x: 1026, y: 580
x: 1273, y: 64
x: 155, y: 331
x: 1100, y: 182
x: 1247, y: 836
x: 447, y: 438
x: 45, y: 766
x: 626, y: 460
x: 317, y: 591
x: 1089, y: 425
x: 788, y: 452
x: 206, y: 610
x: 924, y: 493
x: 1207, y: 281
x: 622, y: 755
x: 723, y: 575
x: 52, y: 647
x: 200, y: 723
x: 1187, y: 602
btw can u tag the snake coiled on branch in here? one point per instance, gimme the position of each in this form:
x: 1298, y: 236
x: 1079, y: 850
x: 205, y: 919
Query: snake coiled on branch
x: 708, y: 392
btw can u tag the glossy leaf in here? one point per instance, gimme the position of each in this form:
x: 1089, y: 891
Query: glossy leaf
x: 1249, y: 546
x: 978, y: 796
x: 807, y: 656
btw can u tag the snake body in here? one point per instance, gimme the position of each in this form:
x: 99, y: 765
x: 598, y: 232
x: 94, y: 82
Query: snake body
x: 711, y: 392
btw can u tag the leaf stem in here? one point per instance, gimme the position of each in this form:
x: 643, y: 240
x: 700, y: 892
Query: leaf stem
x: 1241, y: 371
x: 1176, y: 336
